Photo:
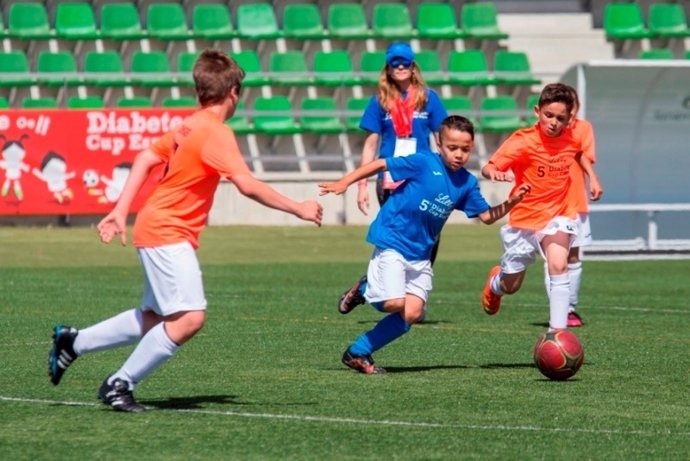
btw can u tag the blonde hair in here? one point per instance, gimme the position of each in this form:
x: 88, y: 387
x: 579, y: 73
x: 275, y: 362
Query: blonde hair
x: 388, y: 91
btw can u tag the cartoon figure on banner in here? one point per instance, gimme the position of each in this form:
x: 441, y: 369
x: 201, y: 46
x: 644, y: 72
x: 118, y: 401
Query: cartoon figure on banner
x: 115, y: 184
x: 13, y: 153
x: 54, y: 173
x: 91, y: 180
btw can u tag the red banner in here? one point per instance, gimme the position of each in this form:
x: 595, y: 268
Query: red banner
x: 74, y: 161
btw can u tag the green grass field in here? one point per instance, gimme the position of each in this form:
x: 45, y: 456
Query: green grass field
x: 263, y: 380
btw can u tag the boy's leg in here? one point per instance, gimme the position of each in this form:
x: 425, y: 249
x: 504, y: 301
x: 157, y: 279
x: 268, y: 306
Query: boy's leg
x: 358, y: 355
x: 556, y: 249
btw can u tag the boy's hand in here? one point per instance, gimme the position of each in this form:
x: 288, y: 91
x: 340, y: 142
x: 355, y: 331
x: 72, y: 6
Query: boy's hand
x: 310, y: 210
x: 337, y: 188
x: 110, y: 226
x: 523, y: 190
x: 491, y: 172
x: 595, y: 188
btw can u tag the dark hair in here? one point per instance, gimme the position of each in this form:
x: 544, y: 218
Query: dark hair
x: 457, y: 122
x: 556, y: 92
x: 215, y: 74
x: 576, y: 99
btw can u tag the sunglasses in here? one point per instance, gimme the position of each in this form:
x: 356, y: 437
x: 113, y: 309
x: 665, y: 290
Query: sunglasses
x: 397, y: 62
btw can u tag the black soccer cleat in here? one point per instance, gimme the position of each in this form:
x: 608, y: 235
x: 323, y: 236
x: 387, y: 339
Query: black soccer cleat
x: 362, y: 363
x: 118, y: 396
x: 62, y: 354
x: 352, y: 297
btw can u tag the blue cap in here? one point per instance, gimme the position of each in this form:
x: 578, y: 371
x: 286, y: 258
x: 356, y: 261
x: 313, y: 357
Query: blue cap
x: 399, y: 50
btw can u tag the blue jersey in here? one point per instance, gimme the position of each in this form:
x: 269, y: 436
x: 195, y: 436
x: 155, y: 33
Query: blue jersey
x: 412, y: 218
x: 376, y: 120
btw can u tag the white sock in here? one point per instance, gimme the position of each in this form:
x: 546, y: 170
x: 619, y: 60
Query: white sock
x: 121, y: 330
x: 496, y: 284
x: 558, y: 301
x: 547, y: 279
x: 575, y: 276
x: 153, y: 350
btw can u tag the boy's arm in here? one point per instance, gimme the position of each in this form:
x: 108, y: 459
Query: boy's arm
x: 595, y: 188
x: 115, y: 223
x: 491, y: 171
x: 495, y: 213
x: 368, y: 155
x: 249, y: 186
x: 362, y: 172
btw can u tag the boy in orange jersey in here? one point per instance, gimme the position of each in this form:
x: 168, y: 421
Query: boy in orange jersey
x: 545, y: 221
x: 583, y: 131
x: 197, y: 154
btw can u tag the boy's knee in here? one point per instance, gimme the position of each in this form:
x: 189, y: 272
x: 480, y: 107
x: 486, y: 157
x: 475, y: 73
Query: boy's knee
x: 194, y: 321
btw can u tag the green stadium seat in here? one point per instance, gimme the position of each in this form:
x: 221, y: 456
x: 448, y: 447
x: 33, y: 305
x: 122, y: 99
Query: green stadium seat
x: 513, y: 68
x: 392, y: 21
x: 274, y: 116
x: 239, y: 122
x: 257, y: 21
x: 89, y: 102
x: 47, y: 102
x: 187, y: 101
x: 480, y: 21
x: 185, y: 67
x: 430, y: 63
x: 530, y: 116
x: 249, y: 61
x: 460, y: 105
x: 468, y: 68
x: 211, y: 21
x: 57, y: 68
x: 139, y: 102
x: 624, y: 21
x: 371, y: 63
x: 333, y: 68
x: 667, y: 20
x: 120, y: 21
x: 347, y: 21
x: 4, y: 103
x: 354, y: 108
x: 75, y: 21
x: 29, y: 21
x: 104, y: 69
x: 687, y: 54
x: 14, y: 67
x: 289, y: 69
x: 437, y: 21
x: 657, y: 53
x: 320, y: 116
x: 151, y: 69
x: 3, y: 31
x: 302, y: 21
x: 167, y: 21
x: 499, y: 114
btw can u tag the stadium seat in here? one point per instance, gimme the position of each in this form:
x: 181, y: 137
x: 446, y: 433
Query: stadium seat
x: 185, y: 67
x: 391, y: 21
x: 273, y: 116
x: 29, y: 21
x: 657, y: 53
x: 333, y: 69
x: 320, y: 116
x: 104, y: 69
x: 249, y: 61
x: 239, y: 122
x: 468, y: 68
x: 430, y: 64
x: 3, y: 31
x: 667, y: 20
x: 437, y: 21
x: 687, y: 54
x: 88, y: 102
x: 138, y: 102
x: 347, y: 21
x: 14, y: 65
x: 187, y: 101
x: 57, y: 68
x: 480, y: 21
x: 212, y: 21
x: 354, y: 108
x: 302, y: 21
x: 370, y: 65
x: 167, y: 21
x: 624, y: 21
x: 4, y: 103
x: 257, y: 21
x: 530, y: 116
x: 513, y: 68
x: 151, y: 69
x: 499, y: 114
x: 47, y: 102
x: 120, y: 21
x: 75, y: 21
x: 460, y: 105
x: 289, y: 69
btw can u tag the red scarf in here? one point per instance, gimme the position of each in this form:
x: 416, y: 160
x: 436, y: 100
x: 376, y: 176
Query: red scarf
x: 402, y: 113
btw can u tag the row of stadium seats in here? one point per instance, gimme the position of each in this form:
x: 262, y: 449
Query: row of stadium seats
x: 303, y: 21
x: 624, y: 21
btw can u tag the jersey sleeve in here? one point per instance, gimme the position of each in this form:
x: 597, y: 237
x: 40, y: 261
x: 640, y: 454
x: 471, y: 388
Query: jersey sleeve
x: 221, y: 153
x: 508, y: 152
x: 472, y: 202
x: 402, y: 168
x: 437, y: 112
x: 587, y: 140
x: 164, y: 146
x: 372, y: 119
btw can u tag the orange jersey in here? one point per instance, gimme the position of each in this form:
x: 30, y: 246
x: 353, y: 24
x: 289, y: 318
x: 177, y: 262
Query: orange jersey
x: 197, y: 153
x: 544, y: 163
x: 583, y: 131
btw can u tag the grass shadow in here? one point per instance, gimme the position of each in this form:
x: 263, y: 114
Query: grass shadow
x: 191, y: 403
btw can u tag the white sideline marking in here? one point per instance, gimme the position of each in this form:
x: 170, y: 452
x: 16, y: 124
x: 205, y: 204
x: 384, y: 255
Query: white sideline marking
x: 371, y: 422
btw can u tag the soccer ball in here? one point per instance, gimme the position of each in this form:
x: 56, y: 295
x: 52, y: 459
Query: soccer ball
x: 90, y: 178
x: 558, y: 354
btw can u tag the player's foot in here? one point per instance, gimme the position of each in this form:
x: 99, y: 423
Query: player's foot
x: 352, y: 297
x: 62, y: 354
x: 118, y: 396
x: 362, y: 363
x: 574, y: 320
x: 491, y: 302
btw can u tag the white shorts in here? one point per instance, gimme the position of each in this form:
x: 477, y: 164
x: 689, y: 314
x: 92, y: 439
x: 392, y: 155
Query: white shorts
x: 172, y: 279
x: 520, y: 246
x: 584, y: 231
x: 391, y: 276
